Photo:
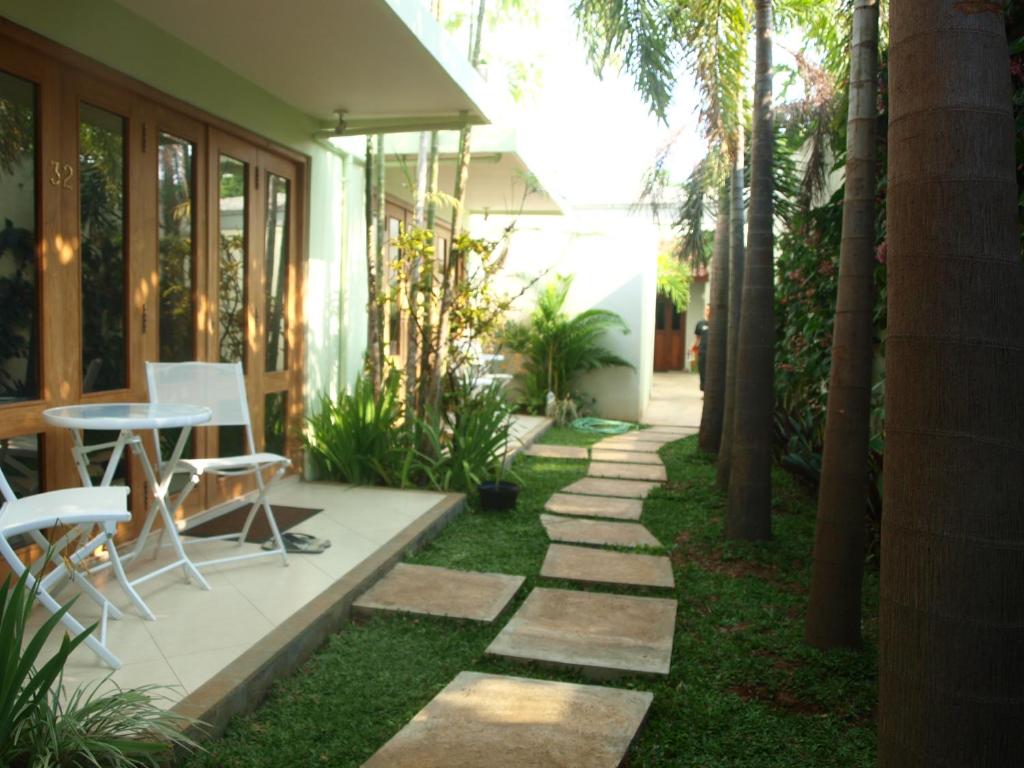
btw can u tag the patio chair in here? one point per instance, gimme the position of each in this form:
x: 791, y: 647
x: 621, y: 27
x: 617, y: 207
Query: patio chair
x: 221, y: 388
x: 85, y: 509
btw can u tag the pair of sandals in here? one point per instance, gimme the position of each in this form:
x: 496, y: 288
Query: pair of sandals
x: 300, y: 544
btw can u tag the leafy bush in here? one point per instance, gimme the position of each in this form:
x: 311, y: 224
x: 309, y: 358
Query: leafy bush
x: 43, y: 724
x: 557, y: 348
x: 467, y: 443
x: 370, y: 439
x: 361, y: 438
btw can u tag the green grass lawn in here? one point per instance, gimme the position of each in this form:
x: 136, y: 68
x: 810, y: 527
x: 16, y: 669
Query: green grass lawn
x: 743, y: 691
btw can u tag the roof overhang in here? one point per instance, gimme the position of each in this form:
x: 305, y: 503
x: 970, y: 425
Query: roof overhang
x: 381, y: 62
x: 502, y: 179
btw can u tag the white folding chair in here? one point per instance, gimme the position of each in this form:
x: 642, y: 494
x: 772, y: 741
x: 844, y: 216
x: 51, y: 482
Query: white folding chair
x: 84, y: 509
x: 221, y: 388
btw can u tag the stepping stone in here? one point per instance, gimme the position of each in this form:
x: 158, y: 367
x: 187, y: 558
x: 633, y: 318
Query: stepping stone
x: 595, y: 506
x: 630, y: 445
x: 512, y: 722
x: 425, y: 589
x: 625, y: 457
x: 599, y: 532
x: 603, y: 635
x: 641, y: 437
x: 627, y: 471
x: 557, y: 452
x: 601, y: 486
x: 599, y: 566
x: 675, y: 432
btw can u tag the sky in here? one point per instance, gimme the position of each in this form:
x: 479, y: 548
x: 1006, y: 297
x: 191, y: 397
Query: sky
x: 591, y: 140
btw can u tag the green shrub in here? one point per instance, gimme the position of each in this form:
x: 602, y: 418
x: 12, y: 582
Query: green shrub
x: 557, y: 348
x: 360, y: 438
x: 42, y: 724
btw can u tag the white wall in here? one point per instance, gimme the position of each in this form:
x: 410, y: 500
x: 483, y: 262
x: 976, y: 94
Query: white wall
x: 613, y: 254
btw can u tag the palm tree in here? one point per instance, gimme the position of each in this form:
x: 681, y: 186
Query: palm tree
x: 951, y: 639
x: 737, y: 261
x: 833, y: 613
x: 748, y: 514
x: 714, y: 385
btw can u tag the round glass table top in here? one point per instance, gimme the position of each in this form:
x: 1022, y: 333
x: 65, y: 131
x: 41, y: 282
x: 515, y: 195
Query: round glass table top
x: 127, y: 416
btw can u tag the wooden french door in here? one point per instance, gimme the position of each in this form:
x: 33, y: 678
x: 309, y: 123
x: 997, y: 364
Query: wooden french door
x: 132, y: 229
x: 669, y: 336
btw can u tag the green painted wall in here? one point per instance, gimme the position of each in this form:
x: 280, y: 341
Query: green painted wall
x: 114, y: 36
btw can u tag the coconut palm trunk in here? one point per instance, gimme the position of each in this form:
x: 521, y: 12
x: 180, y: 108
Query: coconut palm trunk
x: 373, y: 287
x: 714, y: 386
x: 748, y: 515
x: 951, y: 660
x: 737, y: 260
x: 833, y: 613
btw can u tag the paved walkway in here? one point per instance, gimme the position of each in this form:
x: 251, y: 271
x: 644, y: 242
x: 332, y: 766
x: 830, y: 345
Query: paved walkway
x: 675, y: 400
x: 498, y: 721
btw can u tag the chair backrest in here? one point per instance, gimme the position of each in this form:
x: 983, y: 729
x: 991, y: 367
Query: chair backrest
x: 218, y: 386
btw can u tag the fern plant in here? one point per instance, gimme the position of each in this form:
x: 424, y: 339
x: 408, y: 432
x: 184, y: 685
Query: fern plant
x: 557, y: 348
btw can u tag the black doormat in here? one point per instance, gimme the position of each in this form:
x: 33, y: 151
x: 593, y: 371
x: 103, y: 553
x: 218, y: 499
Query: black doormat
x: 232, y: 522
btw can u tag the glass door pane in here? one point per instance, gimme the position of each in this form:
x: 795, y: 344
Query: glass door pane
x: 19, y: 297
x: 176, y: 227
x: 231, y: 293
x: 275, y: 275
x: 101, y: 168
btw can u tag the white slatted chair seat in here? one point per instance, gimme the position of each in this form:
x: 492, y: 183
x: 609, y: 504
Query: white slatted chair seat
x: 221, y: 388
x: 73, y: 506
x: 84, y: 509
x: 233, y: 464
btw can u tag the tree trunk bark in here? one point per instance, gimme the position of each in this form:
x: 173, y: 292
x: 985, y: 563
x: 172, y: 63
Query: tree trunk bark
x: 373, y: 309
x: 737, y: 260
x: 951, y: 663
x: 749, y: 512
x: 833, y: 613
x: 714, y: 386
x: 383, y: 267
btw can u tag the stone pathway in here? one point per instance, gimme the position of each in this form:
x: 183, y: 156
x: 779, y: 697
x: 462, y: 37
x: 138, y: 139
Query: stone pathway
x: 430, y: 591
x: 598, y: 566
x: 512, y: 722
x: 604, y: 636
x: 625, y: 457
x: 627, y: 471
x: 595, y: 506
x: 577, y: 453
x: 600, y: 486
x: 577, y: 531
x: 502, y: 721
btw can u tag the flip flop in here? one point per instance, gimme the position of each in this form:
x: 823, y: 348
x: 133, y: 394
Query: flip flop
x: 300, y: 543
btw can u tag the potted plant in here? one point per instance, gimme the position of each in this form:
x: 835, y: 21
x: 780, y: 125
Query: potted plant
x: 499, y: 494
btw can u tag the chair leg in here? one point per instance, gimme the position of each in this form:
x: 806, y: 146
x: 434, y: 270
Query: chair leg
x: 248, y: 521
x: 126, y: 585
x: 47, y: 601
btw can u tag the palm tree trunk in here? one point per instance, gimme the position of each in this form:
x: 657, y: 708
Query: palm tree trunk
x: 737, y: 260
x: 373, y: 287
x: 951, y: 661
x: 714, y: 386
x: 749, y: 512
x: 833, y: 613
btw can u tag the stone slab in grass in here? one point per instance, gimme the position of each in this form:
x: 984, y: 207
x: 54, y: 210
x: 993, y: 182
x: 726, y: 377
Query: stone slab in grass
x: 642, y: 437
x: 625, y: 457
x: 676, y: 432
x: 512, y: 722
x: 627, y: 471
x: 599, y: 532
x: 634, y: 446
x: 602, y: 635
x: 599, y: 566
x: 425, y: 589
x: 595, y: 506
x: 603, y: 486
x: 557, y: 452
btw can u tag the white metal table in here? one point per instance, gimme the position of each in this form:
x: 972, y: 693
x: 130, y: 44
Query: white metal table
x: 129, y: 419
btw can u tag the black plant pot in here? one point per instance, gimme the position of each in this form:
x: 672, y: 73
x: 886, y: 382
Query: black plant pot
x: 498, y: 495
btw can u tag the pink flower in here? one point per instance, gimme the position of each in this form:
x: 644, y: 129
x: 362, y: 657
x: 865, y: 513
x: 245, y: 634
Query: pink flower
x: 882, y: 252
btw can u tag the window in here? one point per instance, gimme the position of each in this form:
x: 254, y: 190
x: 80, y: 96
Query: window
x: 176, y: 223
x: 231, y: 263
x: 275, y: 273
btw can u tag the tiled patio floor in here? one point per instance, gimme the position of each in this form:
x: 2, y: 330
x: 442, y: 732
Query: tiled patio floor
x: 198, y: 633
